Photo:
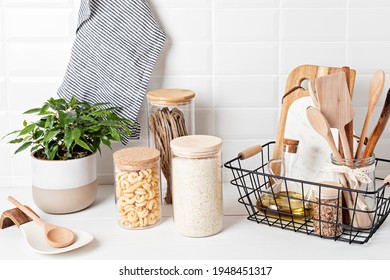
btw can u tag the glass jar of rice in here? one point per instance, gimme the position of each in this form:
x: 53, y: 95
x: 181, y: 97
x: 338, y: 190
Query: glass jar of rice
x: 197, y: 185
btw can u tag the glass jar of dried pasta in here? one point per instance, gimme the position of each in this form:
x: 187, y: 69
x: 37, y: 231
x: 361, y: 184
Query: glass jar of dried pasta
x: 137, y: 187
x: 171, y: 114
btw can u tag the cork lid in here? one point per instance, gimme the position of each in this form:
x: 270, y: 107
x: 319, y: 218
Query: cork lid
x: 170, y: 96
x: 327, y: 192
x: 290, y: 145
x: 195, y: 145
x: 136, y: 156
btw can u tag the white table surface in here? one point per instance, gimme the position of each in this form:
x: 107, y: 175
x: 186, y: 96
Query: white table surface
x: 239, y: 239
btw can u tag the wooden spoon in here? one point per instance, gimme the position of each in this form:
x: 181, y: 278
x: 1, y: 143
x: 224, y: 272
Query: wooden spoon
x: 379, y: 128
x: 320, y: 124
x: 57, y: 237
x: 376, y: 86
x: 336, y: 105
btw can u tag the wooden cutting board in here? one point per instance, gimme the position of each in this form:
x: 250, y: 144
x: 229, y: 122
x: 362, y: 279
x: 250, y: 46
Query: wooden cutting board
x: 297, y: 119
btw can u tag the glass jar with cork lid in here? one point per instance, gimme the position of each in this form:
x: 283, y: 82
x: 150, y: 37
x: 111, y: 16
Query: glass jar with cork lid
x: 137, y: 187
x: 197, y: 185
x: 171, y: 114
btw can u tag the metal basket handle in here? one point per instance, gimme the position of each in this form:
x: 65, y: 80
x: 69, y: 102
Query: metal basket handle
x: 250, y: 152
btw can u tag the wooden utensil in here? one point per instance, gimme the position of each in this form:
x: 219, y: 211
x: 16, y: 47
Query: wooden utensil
x: 294, y: 91
x: 376, y: 86
x: 321, y: 125
x: 379, y: 128
x: 349, y: 127
x: 57, y: 237
x: 313, y: 94
x: 336, y: 105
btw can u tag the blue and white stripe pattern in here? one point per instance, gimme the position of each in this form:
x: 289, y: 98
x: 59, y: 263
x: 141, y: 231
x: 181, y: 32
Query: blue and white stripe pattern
x: 116, y: 47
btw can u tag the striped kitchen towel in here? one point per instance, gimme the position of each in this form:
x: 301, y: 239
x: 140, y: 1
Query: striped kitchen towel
x: 116, y: 47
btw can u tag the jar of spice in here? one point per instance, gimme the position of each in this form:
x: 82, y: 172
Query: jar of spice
x: 197, y: 185
x: 170, y: 115
x: 328, y: 216
x: 137, y: 187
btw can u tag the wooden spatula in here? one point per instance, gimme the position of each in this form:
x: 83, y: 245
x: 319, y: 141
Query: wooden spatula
x: 336, y: 105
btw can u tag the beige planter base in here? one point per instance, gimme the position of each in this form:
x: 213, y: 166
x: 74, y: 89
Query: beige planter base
x: 62, y: 201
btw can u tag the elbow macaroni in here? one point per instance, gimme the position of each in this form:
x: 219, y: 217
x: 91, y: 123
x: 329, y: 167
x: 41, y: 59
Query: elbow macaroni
x: 138, y: 197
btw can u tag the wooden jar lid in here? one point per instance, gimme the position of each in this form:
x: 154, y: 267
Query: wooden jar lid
x: 170, y: 96
x: 195, y: 145
x: 136, y: 156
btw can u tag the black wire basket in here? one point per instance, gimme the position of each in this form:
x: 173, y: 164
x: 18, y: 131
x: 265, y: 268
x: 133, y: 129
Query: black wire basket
x: 254, y: 184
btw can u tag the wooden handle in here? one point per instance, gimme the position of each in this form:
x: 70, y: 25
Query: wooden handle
x: 350, y: 78
x: 387, y: 179
x: 26, y: 211
x: 379, y: 128
x: 250, y: 152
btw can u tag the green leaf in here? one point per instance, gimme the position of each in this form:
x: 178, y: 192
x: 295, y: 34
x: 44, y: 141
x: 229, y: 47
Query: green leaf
x: 49, y: 135
x: 87, y: 119
x: 83, y: 145
x: 13, y: 132
x: 105, y: 141
x: 94, y: 128
x: 73, y: 102
x: 62, y: 117
x: 53, y: 152
x: 37, y: 134
x: 68, y: 139
x: 49, y: 122
x: 76, y: 133
x: 43, y: 110
x: 15, y: 141
x: 32, y: 111
x: 115, y: 134
x: 23, y: 147
x: 27, y: 129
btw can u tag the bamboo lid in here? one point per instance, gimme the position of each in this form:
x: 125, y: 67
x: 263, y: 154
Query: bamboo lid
x: 170, y: 96
x: 136, y: 156
x: 326, y: 192
x: 195, y: 145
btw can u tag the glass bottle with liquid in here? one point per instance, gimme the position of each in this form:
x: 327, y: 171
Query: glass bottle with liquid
x: 288, y: 195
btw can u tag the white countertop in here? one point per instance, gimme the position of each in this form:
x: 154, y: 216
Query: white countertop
x: 239, y: 239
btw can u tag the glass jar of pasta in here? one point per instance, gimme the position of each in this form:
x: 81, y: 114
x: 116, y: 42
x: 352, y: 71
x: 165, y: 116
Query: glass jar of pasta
x: 137, y: 187
x: 171, y: 114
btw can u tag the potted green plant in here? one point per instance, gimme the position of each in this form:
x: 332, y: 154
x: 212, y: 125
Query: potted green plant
x: 63, y: 144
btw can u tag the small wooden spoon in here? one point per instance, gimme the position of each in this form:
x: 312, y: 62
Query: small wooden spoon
x: 57, y: 237
x: 376, y: 86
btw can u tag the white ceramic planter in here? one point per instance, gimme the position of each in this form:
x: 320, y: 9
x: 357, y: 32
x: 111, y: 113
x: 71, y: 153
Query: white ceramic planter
x: 64, y: 186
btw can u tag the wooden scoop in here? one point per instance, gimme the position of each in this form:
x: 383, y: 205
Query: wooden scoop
x: 321, y: 125
x: 57, y: 237
x: 376, y: 86
x: 379, y: 128
x: 336, y: 105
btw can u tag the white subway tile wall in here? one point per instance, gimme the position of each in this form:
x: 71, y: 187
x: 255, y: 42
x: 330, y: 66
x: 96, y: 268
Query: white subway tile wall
x: 235, y: 54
